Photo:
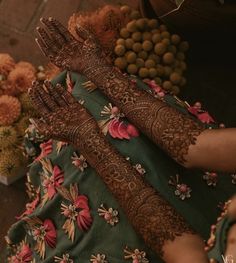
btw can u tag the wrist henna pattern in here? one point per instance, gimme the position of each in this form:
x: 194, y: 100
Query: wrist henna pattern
x: 151, y: 216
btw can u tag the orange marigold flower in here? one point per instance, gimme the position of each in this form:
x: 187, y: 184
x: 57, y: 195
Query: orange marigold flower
x: 7, y: 64
x: 21, y: 78
x: 10, y: 109
x: 27, y: 65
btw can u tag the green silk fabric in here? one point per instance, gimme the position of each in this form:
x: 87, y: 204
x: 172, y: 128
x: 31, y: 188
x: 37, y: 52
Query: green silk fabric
x: 200, y: 210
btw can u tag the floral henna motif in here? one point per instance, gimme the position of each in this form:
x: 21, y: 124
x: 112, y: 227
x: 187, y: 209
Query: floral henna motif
x: 168, y: 128
x: 152, y: 217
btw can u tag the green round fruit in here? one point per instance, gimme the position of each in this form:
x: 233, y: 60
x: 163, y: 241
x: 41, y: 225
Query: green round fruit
x: 162, y: 28
x: 147, y: 36
x: 175, y: 90
x: 147, y: 45
x: 160, y: 49
x: 165, y: 34
x: 141, y: 24
x: 184, y: 46
x: 124, y: 33
x: 167, y: 85
x: 154, y: 57
x: 166, y: 41
x: 143, y: 72
x: 172, y: 49
x: 167, y: 71
x: 168, y: 58
x: 125, y: 9
x: 119, y: 50
x: 152, y: 73
x: 143, y: 54
x: 137, y: 47
x: 135, y: 14
x: 140, y: 62
x: 175, y: 39
x: 132, y: 69
x: 175, y: 78
x: 120, y: 41
x: 131, y: 26
x: 160, y: 70
x: 131, y: 57
x: 121, y: 63
x: 156, y: 38
x: 183, y: 65
x: 158, y: 80
x: 152, y: 23
x: 137, y: 36
x: 180, y: 56
x: 150, y: 63
x: 129, y: 43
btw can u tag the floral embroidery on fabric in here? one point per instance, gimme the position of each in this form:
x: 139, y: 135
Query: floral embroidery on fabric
x: 43, y: 232
x: 52, y: 177
x: 202, y: 115
x: 33, y: 134
x: 110, y: 215
x: 135, y: 255
x: 77, y: 211
x: 181, y: 190
x: 64, y: 259
x: 89, y: 86
x: 69, y: 82
x: 23, y: 254
x: 114, y: 126
x: 212, y: 239
x: 46, y: 149
x: 31, y: 206
x: 99, y: 258
x: 138, y: 167
x: 156, y: 90
x: 210, y: 178
x: 79, y: 161
x: 233, y: 176
x: 59, y: 146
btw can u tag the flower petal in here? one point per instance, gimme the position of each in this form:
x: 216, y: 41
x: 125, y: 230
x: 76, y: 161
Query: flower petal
x: 122, y: 130
x: 51, y: 233
x: 132, y: 131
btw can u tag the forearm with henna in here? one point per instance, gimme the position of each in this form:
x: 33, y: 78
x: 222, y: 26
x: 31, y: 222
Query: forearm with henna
x: 173, y: 131
x: 65, y: 119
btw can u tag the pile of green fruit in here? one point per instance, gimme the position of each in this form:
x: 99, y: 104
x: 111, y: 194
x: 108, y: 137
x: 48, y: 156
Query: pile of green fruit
x: 146, y: 49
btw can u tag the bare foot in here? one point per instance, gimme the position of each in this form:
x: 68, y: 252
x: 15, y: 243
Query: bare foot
x: 230, y: 255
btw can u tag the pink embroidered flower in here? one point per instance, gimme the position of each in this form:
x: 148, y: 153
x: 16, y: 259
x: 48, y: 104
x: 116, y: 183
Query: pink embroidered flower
x: 79, y: 161
x: 64, y: 259
x: 156, y: 89
x: 46, y: 149
x: 51, y: 183
x: 77, y: 211
x: 52, y: 178
x: 110, y: 215
x: 202, y: 115
x: 24, y: 254
x: 43, y: 232
x: 99, y: 258
x: 181, y: 190
x: 120, y: 130
x: 30, y: 207
x: 135, y: 255
x: 210, y: 178
x: 116, y: 127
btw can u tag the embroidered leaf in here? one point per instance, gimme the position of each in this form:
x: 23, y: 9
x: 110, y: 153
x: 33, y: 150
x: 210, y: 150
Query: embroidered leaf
x: 69, y: 82
x: 69, y: 227
x: 89, y: 86
x: 47, y: 165
x: 40, y: 248
x: 74, y: 191
x: 65, y: 193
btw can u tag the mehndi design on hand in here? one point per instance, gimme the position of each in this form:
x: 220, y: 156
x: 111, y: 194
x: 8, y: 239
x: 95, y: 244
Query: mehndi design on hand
x: 65, y: 119
x: 173, y: 131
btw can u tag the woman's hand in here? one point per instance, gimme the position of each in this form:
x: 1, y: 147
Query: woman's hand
x: 62, y: 116
x: 66, y: 52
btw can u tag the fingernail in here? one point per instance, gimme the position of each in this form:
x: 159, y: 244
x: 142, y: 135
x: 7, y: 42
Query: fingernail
x: 50, y: 19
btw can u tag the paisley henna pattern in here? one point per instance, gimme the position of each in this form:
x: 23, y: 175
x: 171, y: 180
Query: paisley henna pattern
x: 168, y: 128
x: 152, y: 217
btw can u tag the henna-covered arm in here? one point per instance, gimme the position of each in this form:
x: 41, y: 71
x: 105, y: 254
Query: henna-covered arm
x: 183, y: 138
x: 152, y: 217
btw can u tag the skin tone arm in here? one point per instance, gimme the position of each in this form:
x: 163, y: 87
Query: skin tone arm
x: 183, y: 138
x: 160, y: 225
